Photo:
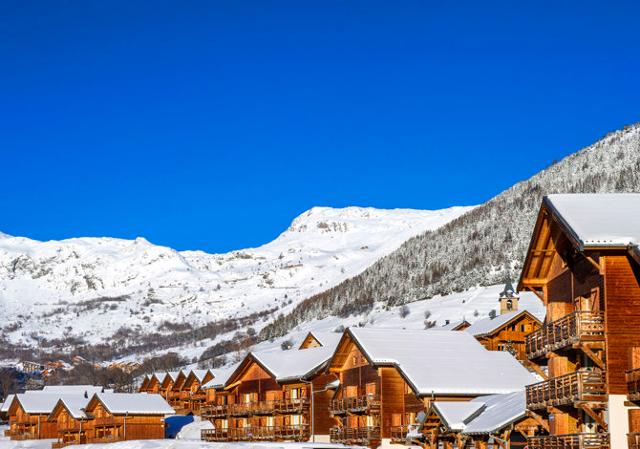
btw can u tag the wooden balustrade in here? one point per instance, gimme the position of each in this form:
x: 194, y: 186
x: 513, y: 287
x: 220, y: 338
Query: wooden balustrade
x: 359, y: 404
x: 296, y: 432
x: 580, y: 386
x: 282, y: 406
x: 633, y: 384
x: 573, y: 441
x: 399, y: 434
x: 108, y: 421
x: 214, y: 411
x: 355, y: 435
x: 573, y: 328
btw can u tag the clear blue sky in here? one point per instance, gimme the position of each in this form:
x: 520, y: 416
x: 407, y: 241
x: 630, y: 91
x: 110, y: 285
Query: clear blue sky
x: 211, y: 125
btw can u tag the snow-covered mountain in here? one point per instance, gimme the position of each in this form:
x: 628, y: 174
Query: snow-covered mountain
x: 63, y: 294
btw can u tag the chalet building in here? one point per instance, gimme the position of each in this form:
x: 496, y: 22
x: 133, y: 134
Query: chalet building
x: 317, y: 339
x: 176, y: 395
x: 507, y: 331
x: 498, y: 420
x: 191, y: 395
x: 274, y: 396
x: 29, y: 413
x: 126, y: 416
x: 70, y: 420
x: 388, y: 376
x: 211, y: 390
x: 583, y: 261
x: 144, y: 384
x: 166, y: 387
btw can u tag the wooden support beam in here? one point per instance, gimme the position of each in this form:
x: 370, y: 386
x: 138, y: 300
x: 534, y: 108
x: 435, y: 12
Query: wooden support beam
x: 592, y: 355
x: 596, y: 416
x: 535, y: 292
x: 538, y: 419
x: 535, y: 367
x: 592, y: 261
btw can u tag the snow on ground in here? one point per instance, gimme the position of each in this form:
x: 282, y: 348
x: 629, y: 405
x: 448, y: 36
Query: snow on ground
x: 60, y: 289
x: 193, y: 430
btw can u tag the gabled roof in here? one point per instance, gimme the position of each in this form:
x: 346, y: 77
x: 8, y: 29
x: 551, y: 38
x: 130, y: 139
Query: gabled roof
x: 285, y: 366
x: 482, y: 415
x: 40, y: 403
x: 488, y: 326
x: 499, y: 411
x: 74, y: 405
x: 221, y: 377
x: 4, y: 408
x: 599, y: 219
x: 444, y: 363
x: 199, y: 375
x: 131, y: 403
x: 76, y: 389
x: 324, y: 339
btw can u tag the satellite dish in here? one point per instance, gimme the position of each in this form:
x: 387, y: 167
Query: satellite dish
x: 421, y: 417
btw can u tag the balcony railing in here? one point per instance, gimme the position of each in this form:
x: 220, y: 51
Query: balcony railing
x: 399, y: 434
x: 215, y: 434
x: 24, y: 436
x: 633, y: 440
x: 104, y: 439
x: 296, y: 432
x: 104, y: 422
x: 355, y: 435
x: 292, y: 405
x: 580, y: 386
x: 359, y: 404
x: 573, y: 441
x: 69, y: 428
x: 633, y: 384
x: 573, y: 328
x: 239, y: 409
x: 213, y: 411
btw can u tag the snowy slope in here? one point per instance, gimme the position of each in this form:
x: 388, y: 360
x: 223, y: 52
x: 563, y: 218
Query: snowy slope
x: 89, y: 288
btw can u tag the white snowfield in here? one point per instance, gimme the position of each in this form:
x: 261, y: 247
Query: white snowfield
x: 91, y: 287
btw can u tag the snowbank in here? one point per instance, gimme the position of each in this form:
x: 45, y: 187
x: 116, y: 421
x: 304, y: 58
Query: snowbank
x: 192, y: 431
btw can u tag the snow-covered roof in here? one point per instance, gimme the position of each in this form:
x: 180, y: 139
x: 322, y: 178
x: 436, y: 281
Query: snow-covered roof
x: 7, y: 403
x: 499, y: 410
x: 221, y: 375
x: 43, y: 402
x: 75, y: 405
x: 326, y: 339
x: 489, y: 325
x: 199, y: 373
x: 76, y: 389
x: 456, y: 413
x: 134, y: 403
x: 448, y: 327
x: 484, y: 414
x: 443, y: 363
x: 599, y: 219
x: 293, y: 365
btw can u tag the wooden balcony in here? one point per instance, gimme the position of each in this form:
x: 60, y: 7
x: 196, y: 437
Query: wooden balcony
x: 573, y: 441
x: 69, y: 428
x: 108, y: 421
x: 214, y: 411
x: 399, y: 434
x: 296, y: 406
x: 574, y: 328
x: 355, y: 435
x: 360, y: 404
x: 633, y: 384
x: 24, y: 436
x: 580, y: 386
x: 213, y: 435
x: 240, y: 409
x: 633, y: 440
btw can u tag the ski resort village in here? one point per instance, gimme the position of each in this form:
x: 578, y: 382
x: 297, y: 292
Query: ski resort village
x: 547, y: 360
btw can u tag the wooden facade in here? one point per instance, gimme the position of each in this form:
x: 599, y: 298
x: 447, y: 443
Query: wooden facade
x: 510, y: 336
x: 592, y: 296
x: 71, y: 429
x: 25, y: 425
x: 255, y: 406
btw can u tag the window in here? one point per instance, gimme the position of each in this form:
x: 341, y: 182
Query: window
x: 296, y: 420
x: 370, y: 389
x: 224, y: 424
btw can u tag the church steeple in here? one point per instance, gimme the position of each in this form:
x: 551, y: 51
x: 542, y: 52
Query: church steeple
x: 508, y: 298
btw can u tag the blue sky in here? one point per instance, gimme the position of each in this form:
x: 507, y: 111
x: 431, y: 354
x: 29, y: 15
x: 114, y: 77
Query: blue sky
x: 211, y: 125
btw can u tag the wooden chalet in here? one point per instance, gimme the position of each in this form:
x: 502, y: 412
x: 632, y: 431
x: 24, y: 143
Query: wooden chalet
x: 126, y: 416
x: 496, y: 420
x: 508, y: 330
x: 584, y: 263
x: 167, y: 390
x: 273, y: 396
x: 28, y: 416
x: 191, y: 395
x: 388, y: 376
x: 71, y: 421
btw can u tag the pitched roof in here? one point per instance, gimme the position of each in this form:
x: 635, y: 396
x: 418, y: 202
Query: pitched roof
x: 199, y: 373
x: 499, y: 411
x: 447, y: 353
x: 41, y: 402
x: 599, y: 219
x: 75, y: 405
x: 134, y: 403
x: 326, y: 338
x: 489, y: 325
x: 221, y: 375
x: 484, y: 414
x: 7, y: 403
x: 455, y: 413
x: 76, y: 389
x: 451, y: 326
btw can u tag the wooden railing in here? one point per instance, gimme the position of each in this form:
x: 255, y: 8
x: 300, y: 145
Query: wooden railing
x: 298, y: 432
x: 574, y: 441
x: 355, y: 435
x: 104, y: 422
x: 633, y: 440
x: 214, y: 411
x: 281, y: 406
x: 70, y: 427
x: 24, y: 436
x: 583, y: 385
x: 633, y: 384
x: 104, y: 439
x: 573, y: 328
x: 239, y: 409
x: 359, y: 404
x: 399, y: 434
